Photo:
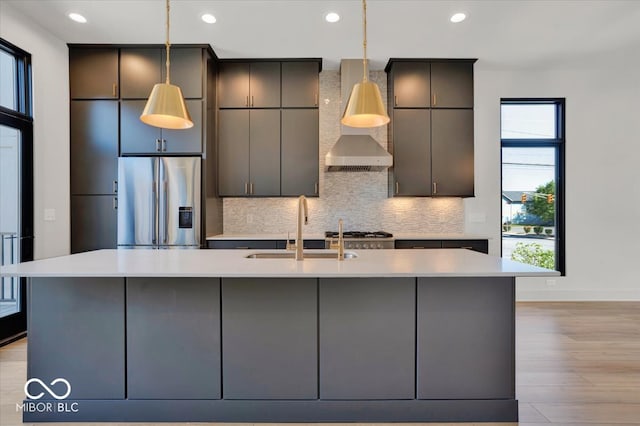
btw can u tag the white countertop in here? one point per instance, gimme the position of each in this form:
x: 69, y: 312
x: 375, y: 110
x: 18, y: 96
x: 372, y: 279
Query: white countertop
x: 397, y: 236
x: 233, y: 263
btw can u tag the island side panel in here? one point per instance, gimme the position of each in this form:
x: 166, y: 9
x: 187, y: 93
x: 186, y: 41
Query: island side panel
x: 367, y: 338
x: 76, y: 332
x: 269, y: 338
x: 465, y: 338
x: 173, y: 338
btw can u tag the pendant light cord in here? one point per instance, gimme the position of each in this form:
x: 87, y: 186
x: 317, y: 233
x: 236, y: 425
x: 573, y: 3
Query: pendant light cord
x: 168, y: 45
x: 365, y: 76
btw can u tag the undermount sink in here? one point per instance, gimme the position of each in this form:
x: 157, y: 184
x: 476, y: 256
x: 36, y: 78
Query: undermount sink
x: 291, y: 255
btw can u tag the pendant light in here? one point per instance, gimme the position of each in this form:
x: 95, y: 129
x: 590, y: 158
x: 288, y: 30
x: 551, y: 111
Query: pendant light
x: 365, y: 107
x: 165, y: 107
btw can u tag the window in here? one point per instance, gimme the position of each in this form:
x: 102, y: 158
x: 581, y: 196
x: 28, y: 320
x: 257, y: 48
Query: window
x: 16, y: 182
x: 532, y: 136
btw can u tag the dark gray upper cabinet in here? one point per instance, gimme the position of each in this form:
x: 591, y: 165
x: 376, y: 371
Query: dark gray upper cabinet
x: 466, y: 350
x: 137, y: 137
x: 249, y: 153
x: 299, y: 172
x: 452, y: 152
x: 367, y: 338
x: 165, y: 316
x: 276, y: 154
x: 142, y: 68
x: 270, y: 338
x: 93, y: 222
x: 249, y: 85
x: 431, y: 133
x: 93, y: 73
x: 264, y: 152
x: 233, y: 152
x: 411, y: 85
x: 300, y: 84
x: 431, y: 83
x: 94, y: 147
x: 452, y: 84
x: 411, y: 152
x: 186, y: 70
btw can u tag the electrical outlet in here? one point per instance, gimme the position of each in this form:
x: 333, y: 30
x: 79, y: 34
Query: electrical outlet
x: 551, y: 282
x: 249, y: 218
x: 49, y: 215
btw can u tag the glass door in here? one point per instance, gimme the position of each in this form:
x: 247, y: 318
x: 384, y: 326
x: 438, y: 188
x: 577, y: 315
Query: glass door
x: 16, y: 184
x: 9, y: 217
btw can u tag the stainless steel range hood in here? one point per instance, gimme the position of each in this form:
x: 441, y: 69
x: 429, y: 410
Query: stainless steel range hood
x: 355, y: 150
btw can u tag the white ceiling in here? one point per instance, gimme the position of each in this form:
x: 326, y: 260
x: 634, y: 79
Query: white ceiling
x: 508, y: 32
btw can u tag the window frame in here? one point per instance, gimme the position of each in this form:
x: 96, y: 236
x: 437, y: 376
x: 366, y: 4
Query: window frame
x: 559, y: 145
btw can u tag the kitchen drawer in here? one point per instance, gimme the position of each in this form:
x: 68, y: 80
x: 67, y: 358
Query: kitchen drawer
x: 481, y: 246
x: 241, y: 244
x: 418, y: 244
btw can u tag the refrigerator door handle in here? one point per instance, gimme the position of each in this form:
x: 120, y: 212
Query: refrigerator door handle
x: 166, y: 211
x: 154, y: 213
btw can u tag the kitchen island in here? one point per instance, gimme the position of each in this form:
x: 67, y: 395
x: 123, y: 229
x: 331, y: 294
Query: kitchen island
x: 212, y: 335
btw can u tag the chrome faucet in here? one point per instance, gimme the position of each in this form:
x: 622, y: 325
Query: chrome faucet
x: 302, y: 208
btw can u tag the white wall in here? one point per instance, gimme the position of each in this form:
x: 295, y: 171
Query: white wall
x: 50, y: 60
x: 602, y: 172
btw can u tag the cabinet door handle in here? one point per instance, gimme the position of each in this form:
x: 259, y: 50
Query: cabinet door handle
x: 114, y: 88
x: 115, y: 186
x: 397, y: 187
x: 164, y: 145
x: 246, y: 101
x: 435, y: 187
x: 251, y: 188
x: 435, y: 99
x: 158, y: 145
x: 251, y: 100
x: 315, y: 98
x: 417, y: 247
x: 246, y: 188
x: 115, y: 203
x: 395, y: 100
x: 315, y: 188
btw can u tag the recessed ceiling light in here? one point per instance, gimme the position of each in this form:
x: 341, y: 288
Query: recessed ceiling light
x: 458, y: 17
x: 77, y: 17
x: 209, y: 18
x: 332, y: 17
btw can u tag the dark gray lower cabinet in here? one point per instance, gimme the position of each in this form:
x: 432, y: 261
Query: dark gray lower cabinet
x: 94, y: 222
x: 269, y: 338
x: 465, y: 341
x: 165, y: 317
x: 76, y: 332
x: 367, y: 338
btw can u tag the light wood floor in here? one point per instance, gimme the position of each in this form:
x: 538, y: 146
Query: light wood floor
x: 577, y: 364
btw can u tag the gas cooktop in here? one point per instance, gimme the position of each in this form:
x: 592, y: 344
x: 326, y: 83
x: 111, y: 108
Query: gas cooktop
x: 359, y: 234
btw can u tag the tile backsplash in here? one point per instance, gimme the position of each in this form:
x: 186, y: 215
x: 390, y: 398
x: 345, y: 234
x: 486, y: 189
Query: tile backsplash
x: 359, y: 198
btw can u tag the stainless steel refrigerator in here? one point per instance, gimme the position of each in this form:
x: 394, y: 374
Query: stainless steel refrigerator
x: 159, y: 202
